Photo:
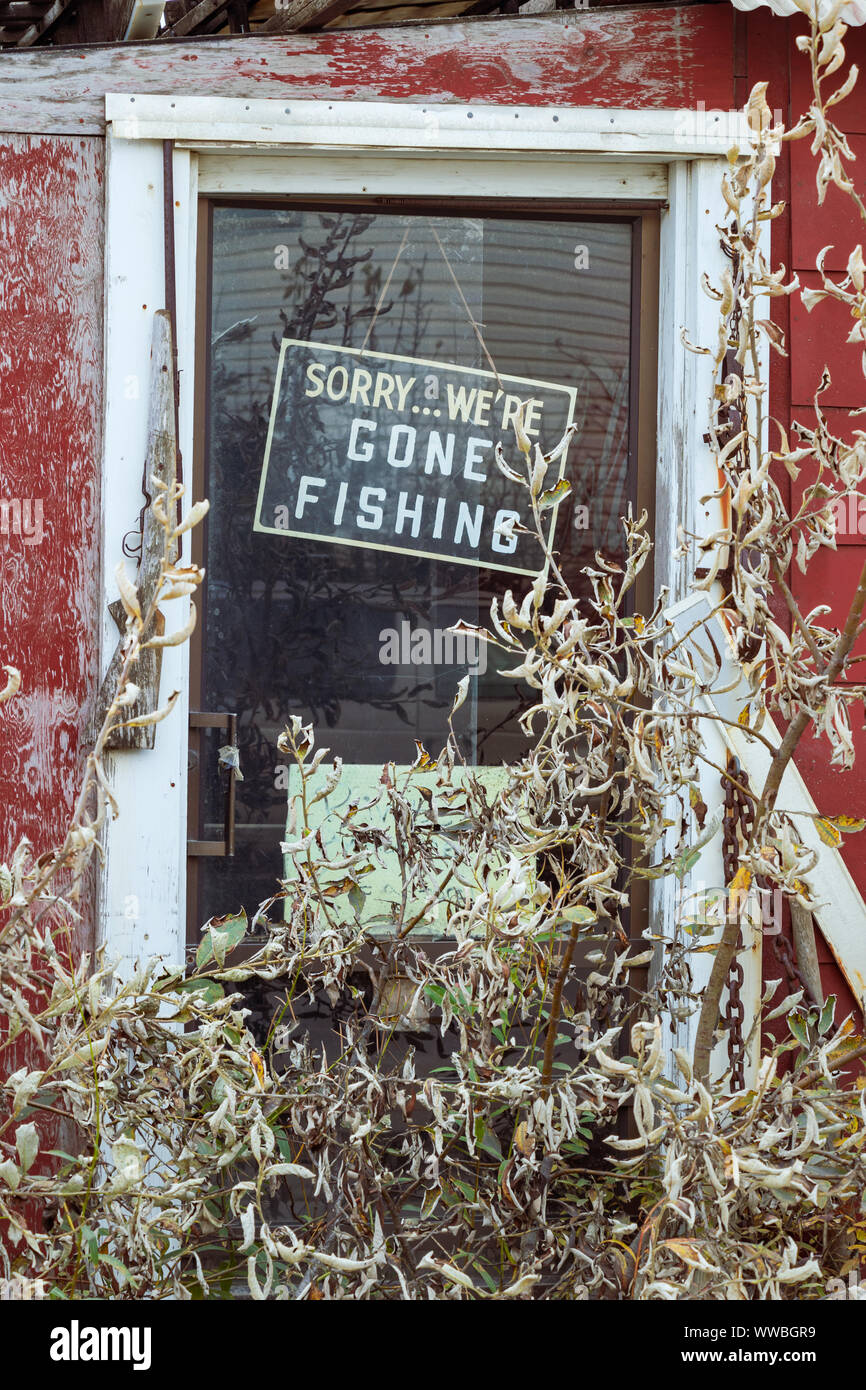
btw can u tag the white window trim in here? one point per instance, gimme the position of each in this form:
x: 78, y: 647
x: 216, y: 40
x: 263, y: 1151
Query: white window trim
x: 201, y: 123
x: 231, y: 145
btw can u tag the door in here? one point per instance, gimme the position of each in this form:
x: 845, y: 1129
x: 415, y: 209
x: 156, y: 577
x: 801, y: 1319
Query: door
x: 360, y: 363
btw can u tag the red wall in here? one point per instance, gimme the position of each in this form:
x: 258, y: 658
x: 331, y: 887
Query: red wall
x: 812, y: 340
x: 51, y: 292
x: 671, y: 56
x: 50, y: 406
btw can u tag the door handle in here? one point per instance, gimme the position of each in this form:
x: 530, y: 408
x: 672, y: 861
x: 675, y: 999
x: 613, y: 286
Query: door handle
x: 224, y: 848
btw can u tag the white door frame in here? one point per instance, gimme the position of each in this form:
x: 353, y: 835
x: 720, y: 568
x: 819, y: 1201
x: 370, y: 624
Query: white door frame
x: 228, y: 145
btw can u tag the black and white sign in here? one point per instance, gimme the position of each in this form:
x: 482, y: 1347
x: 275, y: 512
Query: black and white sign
x: 396, y: 453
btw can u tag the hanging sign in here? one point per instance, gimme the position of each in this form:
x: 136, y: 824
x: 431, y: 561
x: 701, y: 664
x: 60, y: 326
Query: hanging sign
x: 397, y: 453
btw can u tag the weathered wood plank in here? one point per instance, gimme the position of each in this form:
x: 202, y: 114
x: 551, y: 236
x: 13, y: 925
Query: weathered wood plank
x: 392, y: 12
x: 142, y: 897
x: 50, y: 413
x: 99, y: 21
x: 161, y: 463
x: 626, y: 57
x: 51, y: 199
x: 803, y: 931
x: 204, y: 10
x: 302, y: 14
x: 37, y: 29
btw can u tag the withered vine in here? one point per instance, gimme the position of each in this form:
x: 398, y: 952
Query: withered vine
x: 559, y: 1149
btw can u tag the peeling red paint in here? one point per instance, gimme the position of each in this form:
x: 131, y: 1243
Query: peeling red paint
x: 50, y: 400
x: 625, y: 57
x: 602, y: 63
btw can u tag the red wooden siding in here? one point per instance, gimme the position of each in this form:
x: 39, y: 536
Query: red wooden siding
x: 51, y: 276
x: 839, y: 221
x: 643, y: 57
x: 51, y: 271
x: 818, y: 337
x: 812, y: 340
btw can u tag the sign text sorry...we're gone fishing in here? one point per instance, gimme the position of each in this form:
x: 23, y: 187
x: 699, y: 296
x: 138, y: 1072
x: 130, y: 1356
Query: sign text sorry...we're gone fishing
x: 397, y: 453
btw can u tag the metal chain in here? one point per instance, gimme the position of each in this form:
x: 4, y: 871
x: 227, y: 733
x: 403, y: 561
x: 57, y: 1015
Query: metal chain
x: 784, y: 953
x: 782, y: 948
x: 738, y: 814
x: 737, y: 822
x: 737, y: 826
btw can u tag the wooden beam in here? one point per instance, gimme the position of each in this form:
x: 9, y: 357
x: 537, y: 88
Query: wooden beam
x: 116, y: 15
x: 239, y: 17
x: 20, y: 15
x: 203, y: 11
x: 176, y: 9
x: 567, y: 57
x: 841, y: 912
x: 103, y: 21
x: 161, y: 462
x: 304, y: 14
x: 803, y: 931
x: 35, y: 32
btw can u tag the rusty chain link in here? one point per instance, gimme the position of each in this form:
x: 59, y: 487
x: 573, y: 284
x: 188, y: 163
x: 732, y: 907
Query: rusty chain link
x: 737, y: 823
x: 784, y: 953
x: 737, y: 826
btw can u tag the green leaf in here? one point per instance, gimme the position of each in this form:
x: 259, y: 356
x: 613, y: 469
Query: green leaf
x: 690, y: 856
x: 850, y: 824
x: 120, y: 1267
x: 168, y: 982
x: 211, y: 989
x: 686, y: 861
x: 578, y: 914
x: 491, y: 1145
x: 431, y: 1201
x: 10, y: 1173
x: 456, y: 828
x: 490, y: 1282
x: 486, y: 1139
x: 27, y: 1144
x: 574, y: 1146
x: 223, y: 934
x: 828, y: 832
x: 554, y: 495
x: 468, y: 1192
x: 827, y: 1015
x: 799, y: 1029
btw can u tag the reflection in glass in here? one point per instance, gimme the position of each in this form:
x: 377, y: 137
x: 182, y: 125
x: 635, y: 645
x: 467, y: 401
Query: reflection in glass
x: 336, y: 633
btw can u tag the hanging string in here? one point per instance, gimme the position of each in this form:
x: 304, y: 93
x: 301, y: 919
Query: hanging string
x: 372, y: 323
x: 476, y: 327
